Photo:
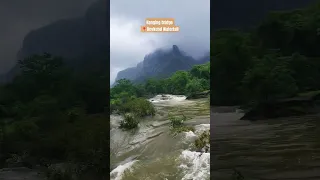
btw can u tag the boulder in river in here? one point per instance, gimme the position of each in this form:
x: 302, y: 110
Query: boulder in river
x: 296, y: 106
x: 203, y: 94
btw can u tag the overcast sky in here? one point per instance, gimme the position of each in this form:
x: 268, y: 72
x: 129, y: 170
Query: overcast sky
x: 18, y: 17
x: 129, y: 45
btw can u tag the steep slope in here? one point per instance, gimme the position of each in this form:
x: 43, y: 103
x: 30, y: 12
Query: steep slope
x: 82, y: 41
x: 160, y: 64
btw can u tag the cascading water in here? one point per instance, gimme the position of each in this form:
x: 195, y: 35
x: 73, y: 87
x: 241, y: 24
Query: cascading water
x: 152, y: 152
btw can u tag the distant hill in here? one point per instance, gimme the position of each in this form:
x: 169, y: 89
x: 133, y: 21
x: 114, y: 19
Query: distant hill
x: 84, y: 41
x: 160, y: 64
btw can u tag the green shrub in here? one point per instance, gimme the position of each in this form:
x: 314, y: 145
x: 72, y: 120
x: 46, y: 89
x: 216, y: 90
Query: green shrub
x: 129, y: 122
x: 140, y: 107
x: 203, y: 141
x: 177, y: 130
x: 92, y: 153
x: 177, y: 126
x: 177, y: 121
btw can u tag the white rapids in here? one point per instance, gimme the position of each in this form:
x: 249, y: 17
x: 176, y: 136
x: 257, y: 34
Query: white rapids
x: 152, y: 142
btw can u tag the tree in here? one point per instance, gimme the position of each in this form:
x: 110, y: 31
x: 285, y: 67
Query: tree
x: 270, y: 78
x: 231, y: 56
x: 179, y: 81
x: 201, y: 71
x: 194, y: 86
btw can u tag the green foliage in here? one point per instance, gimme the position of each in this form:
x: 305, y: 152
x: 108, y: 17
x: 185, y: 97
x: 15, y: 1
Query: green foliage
x: 270, y: 78
x: 179, y: 80
x: 177, y: 124
x: 176, y: 121
x: 126, y: 97
x: 140, y: 107
x: 46, y: 111
x: 180, y: 83
x: 123, y: 89
x: 279, y: 58
x: 231, y: 56
x: 201, y: 71
x: 195, y: 86
x: 129, y: 121
x: 202, y: 142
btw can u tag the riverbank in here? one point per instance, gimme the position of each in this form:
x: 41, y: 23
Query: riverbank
x: 300, y: 105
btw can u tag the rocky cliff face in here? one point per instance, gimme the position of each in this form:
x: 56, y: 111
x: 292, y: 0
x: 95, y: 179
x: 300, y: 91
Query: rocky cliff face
x: 72, y: 38
x: 82, y: 41
x: 160, y: 64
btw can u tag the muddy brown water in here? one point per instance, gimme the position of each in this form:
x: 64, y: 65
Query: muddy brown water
x: 274, y: 149
x: 151, y: 152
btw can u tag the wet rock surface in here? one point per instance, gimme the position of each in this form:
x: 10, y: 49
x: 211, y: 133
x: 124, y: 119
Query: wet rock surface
x: 21, y: 173
x: 200, y: 95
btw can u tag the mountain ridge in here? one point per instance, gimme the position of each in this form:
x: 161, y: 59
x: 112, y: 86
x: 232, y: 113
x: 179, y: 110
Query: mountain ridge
x: 161, y: 64
x: 82, y: 42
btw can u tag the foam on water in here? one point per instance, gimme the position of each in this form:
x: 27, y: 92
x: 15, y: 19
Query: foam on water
x: 118, y: 172
x: 201, y: 128
x: 168, y: 99
x: 115, y: 120
x: 190, y: 135
x: 195, y: 165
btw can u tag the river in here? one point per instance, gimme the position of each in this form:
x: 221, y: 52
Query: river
x: 152, y: 153
x: 274, y: 149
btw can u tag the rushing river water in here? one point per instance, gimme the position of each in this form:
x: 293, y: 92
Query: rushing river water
x: 152, y: 153
x: 286, y: 148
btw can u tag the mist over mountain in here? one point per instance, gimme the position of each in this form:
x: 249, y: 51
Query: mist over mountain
x: 82, y: 41
x: 161, y: 64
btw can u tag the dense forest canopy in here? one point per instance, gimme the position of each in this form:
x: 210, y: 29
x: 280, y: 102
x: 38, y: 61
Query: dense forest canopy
x: 278, y: 59
x: 180, y: 83
x: 47, y: 110
x: 129, y: 99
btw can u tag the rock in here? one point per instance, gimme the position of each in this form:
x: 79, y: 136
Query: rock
x: 204, y: 94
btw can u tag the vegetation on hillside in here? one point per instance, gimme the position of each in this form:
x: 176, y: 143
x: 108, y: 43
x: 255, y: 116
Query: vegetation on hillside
x: 279, y: 58
x: 50, y: 114
x: 129, y: 99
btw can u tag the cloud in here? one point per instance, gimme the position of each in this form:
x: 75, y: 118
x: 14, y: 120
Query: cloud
x: 18, y: 17
x: 129, y: 45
